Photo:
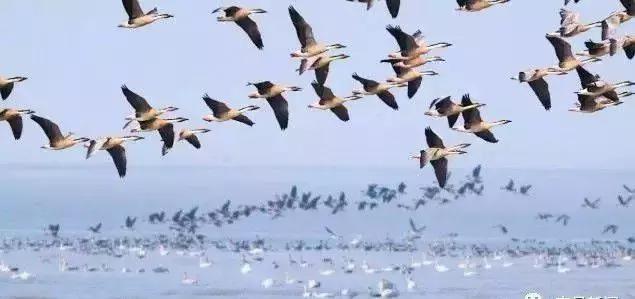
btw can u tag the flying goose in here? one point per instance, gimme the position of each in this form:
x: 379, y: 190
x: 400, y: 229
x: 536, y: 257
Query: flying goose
x: 6, y: 85
x: 381, y: 90
x: 328, y: 101
x: 143, y: 110
x: 304, y: 32
x: 114, y: 147
x: 57, y: 141
x: 620, y: 17
x: 393, y: 5
x: 321, y: 65
x: 446, y: 108
x: 165, y: 127
x: 570, y: 24
x: 412, y: 77
x: 593, y: 86
x: 589, y: 104
x: 477, y: 5
x: 411, y: 46
x: 240, y: 16
x: 474, y: 123
x: 273, y: 94
x: 567, y: 61
x: 137, y: 18
x: 190, y: 136
x: 95, y: 229
x: 414, y: 62
x: 14, y: 118
x: 437, y: 154
x: 596, y: 49
x: 536, y: 80
x: 221, y: 113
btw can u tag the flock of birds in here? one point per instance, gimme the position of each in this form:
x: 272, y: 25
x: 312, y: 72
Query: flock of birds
x: 414, y: 52
x: 338, y: 254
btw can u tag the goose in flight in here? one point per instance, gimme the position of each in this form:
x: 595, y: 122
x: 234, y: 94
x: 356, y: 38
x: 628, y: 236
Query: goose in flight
x: 137, y: 18
x: 57, y: 141
x: 596, y: 49
x: 309, y: 46
x: 474, y: 123
x: 328, y: 101
x: 381, y: 90
x: 567, y: 61
x: 591, y: 204
x: 447, y: 108
x: 437, y: 154
x: 221, y: 112
x: 143, y: 110
x: 411, y: 46
x: 477, y: 5
x: 411, y: 77
x: 95, y: 229
x: 571, y: 26
x: 590, y: 104
x: 536, y: 80
x: 240, y: 16
x: 190, y: 136
x: 6, y: 85
x: 393, y: 6
x: 627, y: 44
x: 165, y: 127
x: 114, y: 147
x: 273, y: 94
x: 322, y: 64
x: 413, y: 62
x: 620, y: 17
x: 14, y: 118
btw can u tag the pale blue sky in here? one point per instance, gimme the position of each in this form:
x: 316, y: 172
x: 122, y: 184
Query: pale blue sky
x: 76, y: 59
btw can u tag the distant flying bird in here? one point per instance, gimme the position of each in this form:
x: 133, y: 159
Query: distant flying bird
x: 143, y: 110
x: 381, y: 90
x: 564, y: 219
x: 437, y: 154
x: 611, y: 228
x: 114, y: 147
x: 393, y: 5
x: 628, y: 189
x: 165, y: 127
x: 411, y: 46
x: 57, y: 141
x: 591, y: 204
x: 221, y: 112
x: 190, y: 136
x: 240, y: 16
x: 566, y: 2
x: 14, y: 118
x: 328, y: 101
x: 332, y: 234
x: 6, y: 85
x: 410, y: 77
x: 137, y: 18
x: 624, y: 202
x: 473, y: 123
x: 477, y: 5
x: 447, y: 108
x: 309, y: 46
x: 273, y: 93
x: 130, y: 222
x: 502, y: 228
x: 510, y: 186
x: 567, y: 61
x: 414, y: 229
x: 54, y: 230
x: 524, y: 190
x: 571, y: 26
x: 95, y: 229
x: 536, y: 80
